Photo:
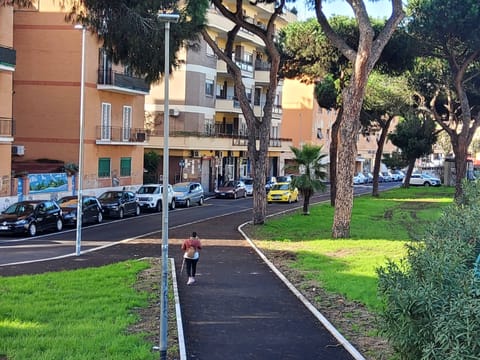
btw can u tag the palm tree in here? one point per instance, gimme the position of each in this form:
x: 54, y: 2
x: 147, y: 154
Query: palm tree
x: 309, y: 164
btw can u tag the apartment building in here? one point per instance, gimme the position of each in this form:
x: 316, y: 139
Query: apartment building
x: 7, y: 69
x: 208, y: 133
x: 47, y: 92
x: 305, y: 122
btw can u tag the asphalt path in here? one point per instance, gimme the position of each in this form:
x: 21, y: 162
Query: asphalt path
x: 22, y: 249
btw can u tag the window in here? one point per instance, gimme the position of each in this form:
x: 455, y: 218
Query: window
x: 209, y: 126
x: 125, y: 166
x: 104, y: 167
x: 210, y: 51
x: 209, y: 86
x: 106, y: 121
x: 127, y: 123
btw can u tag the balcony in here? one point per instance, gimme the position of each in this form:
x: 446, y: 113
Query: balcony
x: 8, y: 58
x: 228, y: 105
x: 113, y: 135
x: 115, y: 81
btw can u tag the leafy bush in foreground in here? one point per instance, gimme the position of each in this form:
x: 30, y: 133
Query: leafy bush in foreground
x: 432, y: 297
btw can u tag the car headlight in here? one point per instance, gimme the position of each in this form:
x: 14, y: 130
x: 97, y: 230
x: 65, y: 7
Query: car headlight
x: 149, y: 198
x: 21, y: 222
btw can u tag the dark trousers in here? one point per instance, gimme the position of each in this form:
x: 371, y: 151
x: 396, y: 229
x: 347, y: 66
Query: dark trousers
x: 191, y: 266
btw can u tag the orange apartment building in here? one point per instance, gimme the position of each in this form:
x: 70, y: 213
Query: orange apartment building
x: 307, y: 123
x: 46, y: 100
x: 7, y: 69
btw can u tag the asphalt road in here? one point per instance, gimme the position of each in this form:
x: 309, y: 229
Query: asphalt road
x: 60, y: 244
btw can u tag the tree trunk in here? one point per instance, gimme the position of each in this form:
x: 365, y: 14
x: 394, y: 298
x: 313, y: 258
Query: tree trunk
x: 259, y: 164
x: 306, y: 204
x: 333, y: 157
x: 461, y: 153
x: 411, y: 165
x: 378, y: 156
x: 347, y: 153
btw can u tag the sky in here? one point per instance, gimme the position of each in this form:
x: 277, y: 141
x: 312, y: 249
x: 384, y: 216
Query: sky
x: 377, y: 9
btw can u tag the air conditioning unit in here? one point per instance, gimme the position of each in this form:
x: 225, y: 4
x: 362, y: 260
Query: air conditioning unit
x: 18, y: 150
x: 141, y: 136
x: 195, y: 153
x: 174, y: 112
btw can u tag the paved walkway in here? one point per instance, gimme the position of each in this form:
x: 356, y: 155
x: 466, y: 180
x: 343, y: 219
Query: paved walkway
x: 240, y: 309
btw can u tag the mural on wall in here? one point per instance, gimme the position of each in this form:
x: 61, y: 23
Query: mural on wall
x: 46, y: 183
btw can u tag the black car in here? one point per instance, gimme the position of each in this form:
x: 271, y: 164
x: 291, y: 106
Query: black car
x: 31, y: 217
x: 119, y: 203
x: 91, y: 210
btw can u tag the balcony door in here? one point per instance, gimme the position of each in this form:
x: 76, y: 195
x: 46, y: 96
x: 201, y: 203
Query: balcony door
x: 106, y: 121
x: 127, y: 123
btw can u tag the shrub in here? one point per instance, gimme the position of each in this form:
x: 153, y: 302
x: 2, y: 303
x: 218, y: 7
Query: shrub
x: 432, y: 297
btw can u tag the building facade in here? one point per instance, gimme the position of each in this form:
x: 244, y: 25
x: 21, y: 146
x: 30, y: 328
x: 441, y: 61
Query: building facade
x: 208, y: 132
x: 46, y: 100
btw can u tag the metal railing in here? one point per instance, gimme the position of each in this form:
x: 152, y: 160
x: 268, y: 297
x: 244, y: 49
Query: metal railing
x: 8, y: 56
x: 121, y: 134
x: 114, y: 78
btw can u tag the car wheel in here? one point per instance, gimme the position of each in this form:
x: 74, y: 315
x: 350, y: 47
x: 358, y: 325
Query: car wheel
x: 137, y: 210
x: 59, y: 225
x: 32, y: 229
x: 200, y: 202
x: 158, y: 208
x: 99, y: 218
x: 187, y: 203
x: 172, y: 205
x: 426, y: 183
x: 121, y: 214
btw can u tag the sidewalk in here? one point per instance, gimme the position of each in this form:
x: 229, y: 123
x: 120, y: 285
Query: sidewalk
x: 240, y: 309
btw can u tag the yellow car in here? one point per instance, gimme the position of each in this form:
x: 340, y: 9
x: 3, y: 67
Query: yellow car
x: 282, y: 192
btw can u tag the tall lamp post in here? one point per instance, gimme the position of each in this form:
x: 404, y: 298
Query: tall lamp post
x: 78, y: 242
x: 167, y: 19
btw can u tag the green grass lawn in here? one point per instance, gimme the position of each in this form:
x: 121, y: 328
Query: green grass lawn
x: 380, y: 227
x: 82, y: 314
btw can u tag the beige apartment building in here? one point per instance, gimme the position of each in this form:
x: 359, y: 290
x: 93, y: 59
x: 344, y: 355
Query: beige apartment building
x: 46, y: 100
x: 208, y: 141
x: 7, y: 69
x: 306, y: 122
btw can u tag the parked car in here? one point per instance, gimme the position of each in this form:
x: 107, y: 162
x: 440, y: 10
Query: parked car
x: 248, y: 185
x: 31, y: 217
x: 150, y: 197
x: 188, y: 193
x: 423, y: 180
x: 119, y: 203
x: 369, y: 177
x: 269, y: 182
x: 359, y: 178
x: 387, y: 177
x: 398, y: 175
x: 282, y: 192
x: 231, y: 189
x: 92, y: 211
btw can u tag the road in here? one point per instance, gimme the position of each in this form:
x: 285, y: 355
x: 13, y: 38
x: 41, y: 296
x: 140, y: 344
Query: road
x: 51, y: 245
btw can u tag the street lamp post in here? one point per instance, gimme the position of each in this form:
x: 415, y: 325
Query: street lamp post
x: 78, y: 242
x: 167, y: 19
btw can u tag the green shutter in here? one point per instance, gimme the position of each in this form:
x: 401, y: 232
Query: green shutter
x: 104, y: 167
x: 125, y: 166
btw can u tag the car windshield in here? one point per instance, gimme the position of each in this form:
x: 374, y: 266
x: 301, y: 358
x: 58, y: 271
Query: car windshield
x: 229, y: 184
x: 19, y: 209
x: 180, y: 188
x: 281, y: 187
x: 111, y: 195
x: 67, y: 201
x: 149, y: 190
x: 248, y: 181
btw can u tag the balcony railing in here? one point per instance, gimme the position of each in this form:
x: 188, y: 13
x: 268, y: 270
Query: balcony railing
x: 6, y: 126
x: 8, y: 56
x: 262, y: 65
x: 238, y: 136
x: 117, y: 79
x: 121, y: 134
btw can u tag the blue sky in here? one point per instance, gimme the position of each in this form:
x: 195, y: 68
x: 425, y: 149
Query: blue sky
x: 380, y: 8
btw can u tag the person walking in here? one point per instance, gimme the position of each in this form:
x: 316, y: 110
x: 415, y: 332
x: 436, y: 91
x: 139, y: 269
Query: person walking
x: 191, y: 248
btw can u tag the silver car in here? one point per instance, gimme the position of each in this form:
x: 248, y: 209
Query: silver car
x: 188, y: 193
